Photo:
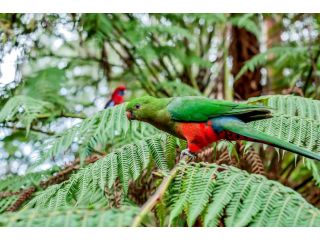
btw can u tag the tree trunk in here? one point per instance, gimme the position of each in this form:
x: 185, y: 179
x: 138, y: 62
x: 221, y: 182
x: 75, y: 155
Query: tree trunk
x: 244, y: 45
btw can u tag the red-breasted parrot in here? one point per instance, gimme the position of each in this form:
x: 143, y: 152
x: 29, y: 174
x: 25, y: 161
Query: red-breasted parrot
x: 117, y: 97
x: 202, y: 121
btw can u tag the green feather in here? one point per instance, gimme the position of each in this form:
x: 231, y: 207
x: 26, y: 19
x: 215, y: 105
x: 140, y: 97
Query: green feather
x: 241, y: 128
x: 201, y: 109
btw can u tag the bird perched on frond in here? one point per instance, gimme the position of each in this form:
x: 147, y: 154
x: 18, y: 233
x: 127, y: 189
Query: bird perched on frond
x: 202, y: 121
x: 117, y: 97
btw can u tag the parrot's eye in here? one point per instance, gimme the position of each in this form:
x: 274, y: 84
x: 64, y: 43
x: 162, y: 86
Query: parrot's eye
x: 137, y: 106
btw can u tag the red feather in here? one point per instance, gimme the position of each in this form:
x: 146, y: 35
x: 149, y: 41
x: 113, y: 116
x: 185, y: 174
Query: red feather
x: 116, y: 97
x: 201, y: 135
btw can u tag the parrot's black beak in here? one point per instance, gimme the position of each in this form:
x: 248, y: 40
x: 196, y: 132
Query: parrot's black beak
x: 130, y: 115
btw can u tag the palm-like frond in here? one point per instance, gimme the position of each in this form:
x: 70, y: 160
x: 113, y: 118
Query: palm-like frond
x: 296, y: 120
x: 281, y: 54
x: 24, y: 109
x: 12, y: 187
x: 234, y: 197
x: 290, y: 105
x: 45, y: 85
x: 68, y: 217
x: 106, y: 126
x: 125, y: 163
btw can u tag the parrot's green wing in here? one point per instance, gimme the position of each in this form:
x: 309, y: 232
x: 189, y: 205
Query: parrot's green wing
x: 200, y: 109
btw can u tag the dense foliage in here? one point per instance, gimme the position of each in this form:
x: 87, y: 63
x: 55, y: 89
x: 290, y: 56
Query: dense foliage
x: 66, y: 161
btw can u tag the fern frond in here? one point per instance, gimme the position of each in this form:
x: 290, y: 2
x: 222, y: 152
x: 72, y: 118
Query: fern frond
x: 201, y: 192
x: 69, y: 217
x: 24, y: 109
x: 303, y: 132
x: 296, y: 120
x: 178, y: 89
x: 280, y: 54
x: 182, y: 201
x: 290, y: 105
x: 245, y: 21
x: 95, y: 132
x: 13, y: 186
x: 45, y: 85
x: 126, y: 163
x: 237, y: 198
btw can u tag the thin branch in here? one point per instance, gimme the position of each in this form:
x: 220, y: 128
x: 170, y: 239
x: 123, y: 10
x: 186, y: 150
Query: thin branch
x: 31, y: 129
x: 80, y: 58
x: 156, y: 197
x: 303, y: 183
x: 73, y: 115
x: 62, y: 114
x: 25, y: 195
x: 8, y: 194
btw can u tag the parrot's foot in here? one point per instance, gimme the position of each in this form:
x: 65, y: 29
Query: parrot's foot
x: 187, y: 153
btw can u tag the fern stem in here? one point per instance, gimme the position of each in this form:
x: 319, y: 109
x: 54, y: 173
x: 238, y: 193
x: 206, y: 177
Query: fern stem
x: 62, y: 114
x: 31, y: 129
x: 156, y: 197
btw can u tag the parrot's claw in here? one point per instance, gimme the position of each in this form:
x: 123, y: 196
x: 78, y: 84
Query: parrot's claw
x: 187, y: 153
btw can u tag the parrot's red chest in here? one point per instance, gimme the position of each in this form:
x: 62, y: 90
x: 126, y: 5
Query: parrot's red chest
x: 198, y: 135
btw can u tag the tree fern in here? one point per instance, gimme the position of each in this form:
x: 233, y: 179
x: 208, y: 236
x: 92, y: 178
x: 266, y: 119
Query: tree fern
x: 290, y: 105
x: 13, y: 186
x: 280, y: 54
x: 24, y: 109
x: 95, y: 132
x: 238, y: 198
x: 45, y: 85
x: 296, y: 120
x: 125, y: 163
x: 68, y: 217
x: 177, y: 88
x: 247, y: 22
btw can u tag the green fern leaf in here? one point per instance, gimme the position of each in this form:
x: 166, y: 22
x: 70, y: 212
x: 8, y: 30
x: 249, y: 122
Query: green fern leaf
x: 24, y: 109
x: 237, y: 199
x: 68, y: 217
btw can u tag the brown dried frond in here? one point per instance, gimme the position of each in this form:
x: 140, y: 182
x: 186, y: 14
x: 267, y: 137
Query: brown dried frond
x: 141, y: 189
x: 225, y: 158
x: 250, y: 160
x: 8, y: 194
x: 212, y: 155
x: 65, y: 173
x: 25, y: 195
x: 206, y: 155
x: 114, y: 194
x: 59, y: 177
x: 312, y: 195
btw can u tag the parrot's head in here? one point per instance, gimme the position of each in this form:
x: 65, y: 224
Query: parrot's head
x: 145, y: 108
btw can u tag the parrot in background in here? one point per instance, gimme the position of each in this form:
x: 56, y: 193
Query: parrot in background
x: 117, y: 97
x: 202, y: 121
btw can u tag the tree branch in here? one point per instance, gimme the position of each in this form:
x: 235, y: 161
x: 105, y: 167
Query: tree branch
x: 156, y: 197
x: 31, y: 129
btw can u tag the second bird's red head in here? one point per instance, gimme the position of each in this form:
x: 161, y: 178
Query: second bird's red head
x: 118, y: 95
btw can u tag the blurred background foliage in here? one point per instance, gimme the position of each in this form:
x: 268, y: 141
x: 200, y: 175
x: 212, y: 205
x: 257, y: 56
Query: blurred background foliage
x: 66, y: 66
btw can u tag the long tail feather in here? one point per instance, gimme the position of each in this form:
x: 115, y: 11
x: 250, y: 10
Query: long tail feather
x: 241, y: 128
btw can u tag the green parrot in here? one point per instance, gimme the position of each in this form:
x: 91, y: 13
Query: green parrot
x: 202, y: 121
